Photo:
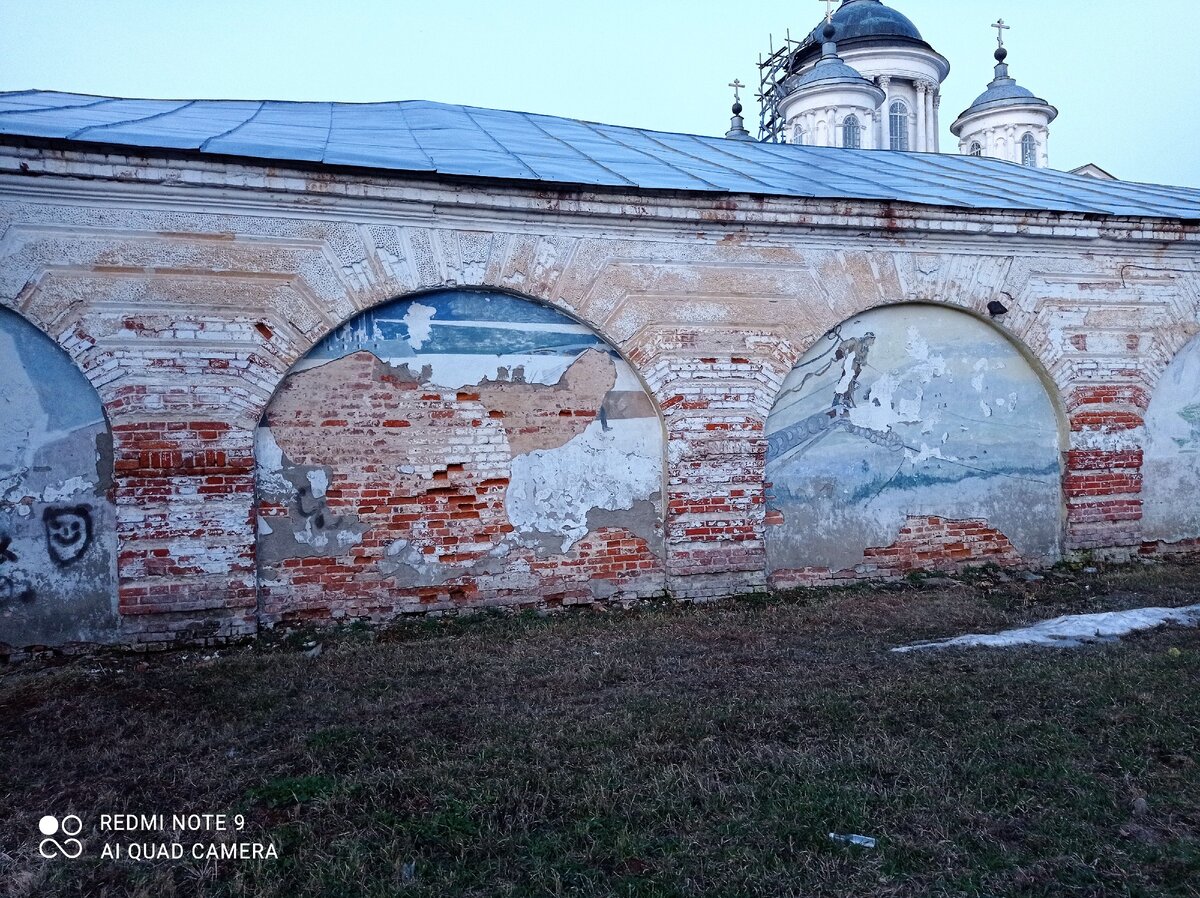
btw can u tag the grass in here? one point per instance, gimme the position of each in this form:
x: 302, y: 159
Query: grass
x: 666, y: 751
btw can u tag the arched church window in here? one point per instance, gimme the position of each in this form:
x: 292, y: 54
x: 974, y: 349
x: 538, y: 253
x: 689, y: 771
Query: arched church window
x: 976, y: 149
x: 1029, y: 151
x: 851, y: 133
x: 898, y: 120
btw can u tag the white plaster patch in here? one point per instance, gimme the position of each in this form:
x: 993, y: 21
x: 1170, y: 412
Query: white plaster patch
x: 1110, y: 440
x: 318, y: 482
x: 882, y: 411
x: 65, y: 489
x: 348, y: 538
x: 980, y: 372
x: 455, y: 371
x: 926, y: 454
x: 204, y: 557
x: 269, y: 459
x: 417, y: 319
x: 552, y: 490
x: 1072, y: 630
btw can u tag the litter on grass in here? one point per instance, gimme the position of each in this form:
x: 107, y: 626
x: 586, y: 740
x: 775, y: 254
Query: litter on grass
x: 1071, y: 630
x: 860, y: 841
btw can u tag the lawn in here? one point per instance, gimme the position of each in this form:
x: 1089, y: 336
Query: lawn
x: 662, y: 751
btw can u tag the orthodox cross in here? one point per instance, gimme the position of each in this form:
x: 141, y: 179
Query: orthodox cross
x: 1000, y: 29
x: 828, y: 10
x: 737, y: 85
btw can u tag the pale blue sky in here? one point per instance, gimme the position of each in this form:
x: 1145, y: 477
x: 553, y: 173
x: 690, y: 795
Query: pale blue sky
x: 1124, y: 86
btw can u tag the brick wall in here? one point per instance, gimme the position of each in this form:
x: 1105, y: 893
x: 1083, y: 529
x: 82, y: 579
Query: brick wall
x: 186, y: 310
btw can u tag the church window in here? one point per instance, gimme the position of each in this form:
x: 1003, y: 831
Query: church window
x: 851, y: 133
x: 976, y: 149
x: 899, y: 126
x: 1029, y: 151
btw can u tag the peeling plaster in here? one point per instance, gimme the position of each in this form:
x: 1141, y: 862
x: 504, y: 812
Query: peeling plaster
x: 850, y: 457
x: 553, y: 491
x: 58, y: 532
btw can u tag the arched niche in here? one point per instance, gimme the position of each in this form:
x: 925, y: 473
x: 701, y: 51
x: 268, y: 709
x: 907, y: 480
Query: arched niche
x: 912, y: 437
x: 458, y: 448
x: 58, y: 538
x: 1171, y: 468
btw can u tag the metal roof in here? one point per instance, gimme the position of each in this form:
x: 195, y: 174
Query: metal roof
x: 461, y: 141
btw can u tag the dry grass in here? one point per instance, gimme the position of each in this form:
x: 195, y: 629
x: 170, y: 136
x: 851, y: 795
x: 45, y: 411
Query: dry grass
x: 660, y: 752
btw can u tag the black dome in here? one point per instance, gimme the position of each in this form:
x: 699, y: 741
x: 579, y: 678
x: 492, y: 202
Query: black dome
x: 869, y: 18
x: 861, y: 21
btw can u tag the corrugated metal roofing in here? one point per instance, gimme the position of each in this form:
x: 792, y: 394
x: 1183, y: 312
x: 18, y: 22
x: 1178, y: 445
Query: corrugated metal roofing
x: 437, y: 138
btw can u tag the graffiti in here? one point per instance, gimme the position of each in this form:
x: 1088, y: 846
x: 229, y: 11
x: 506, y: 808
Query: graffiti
x: 314, y: 508
x: 6, y: 554
x: 14, y: 589
x: 68, y: 532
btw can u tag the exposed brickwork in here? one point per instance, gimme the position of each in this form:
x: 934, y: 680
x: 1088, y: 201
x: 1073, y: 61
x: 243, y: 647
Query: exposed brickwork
x: 416, y: 492
x: 923, y: 544
x: 184, y: 492
x: 185, y: 310
x: 716, y: 495
x: 1103, y: 486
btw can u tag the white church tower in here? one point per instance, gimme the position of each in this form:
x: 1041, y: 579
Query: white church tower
x: 1006, y: 121
x: 864, y: 79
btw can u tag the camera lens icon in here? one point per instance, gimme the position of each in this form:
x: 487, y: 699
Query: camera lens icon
x: 69, y: 826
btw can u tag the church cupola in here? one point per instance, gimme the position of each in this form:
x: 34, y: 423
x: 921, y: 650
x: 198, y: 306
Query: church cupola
x: 1006, y: 121
x: 830, y: 104
x: 877, y: 48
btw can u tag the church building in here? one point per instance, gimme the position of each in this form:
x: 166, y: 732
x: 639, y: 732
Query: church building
x: 268, y: 362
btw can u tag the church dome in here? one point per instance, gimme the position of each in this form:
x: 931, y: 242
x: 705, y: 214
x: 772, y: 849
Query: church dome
x: 859, y: 23
x: 1004, y: 91
x: 857, y: 19
x: 831, y: 71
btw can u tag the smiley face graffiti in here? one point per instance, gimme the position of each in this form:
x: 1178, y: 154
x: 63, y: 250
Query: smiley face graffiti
x: 68, y: 533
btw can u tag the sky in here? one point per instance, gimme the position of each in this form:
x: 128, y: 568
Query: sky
x: 1123, y: 86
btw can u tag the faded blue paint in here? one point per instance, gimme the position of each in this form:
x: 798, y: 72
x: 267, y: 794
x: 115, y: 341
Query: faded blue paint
x: 1171, y: 496
x: 910, y: 410
x: 58, y: 540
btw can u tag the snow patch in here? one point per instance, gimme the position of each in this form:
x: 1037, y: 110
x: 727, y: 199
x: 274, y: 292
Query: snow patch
x: 1071, y: 630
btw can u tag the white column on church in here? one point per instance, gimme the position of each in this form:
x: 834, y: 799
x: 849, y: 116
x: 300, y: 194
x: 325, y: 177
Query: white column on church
x: 885, y: 120
x: 937, y: 132
x: 930, y: 118
x: 922, y: 134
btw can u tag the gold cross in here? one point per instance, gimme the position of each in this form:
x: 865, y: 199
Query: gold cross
x: 737, y: 85
x: 1000, y: 29
x: 828, y: 10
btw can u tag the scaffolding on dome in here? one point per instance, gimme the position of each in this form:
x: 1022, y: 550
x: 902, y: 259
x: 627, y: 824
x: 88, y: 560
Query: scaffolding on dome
x: 772, y: 72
